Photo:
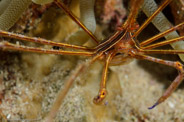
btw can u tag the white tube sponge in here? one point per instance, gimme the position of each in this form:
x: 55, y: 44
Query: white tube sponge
x: 12, y: 13
x: 41, y: 2
x: 87, y: 14
x: 87, y: 17
x: 162, y: 24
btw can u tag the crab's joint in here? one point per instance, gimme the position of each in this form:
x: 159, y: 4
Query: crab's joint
x: 100, y: 97
x: 179, y: 66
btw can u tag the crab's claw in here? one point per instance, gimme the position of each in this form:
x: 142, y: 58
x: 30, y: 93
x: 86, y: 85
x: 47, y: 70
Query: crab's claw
x: 153, y: 105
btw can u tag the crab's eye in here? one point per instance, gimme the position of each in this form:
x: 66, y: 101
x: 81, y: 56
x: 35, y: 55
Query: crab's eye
x: 103, y: 93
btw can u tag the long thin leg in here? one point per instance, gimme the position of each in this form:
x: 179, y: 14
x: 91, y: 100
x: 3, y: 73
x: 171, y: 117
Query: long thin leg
x: 3, y: 116
x: 39, y: 40
x: 8, y: 46
x: 102, y: 92
x: 161, y: 51
x: 159, y: 44
x: 62, y: 93
x: 148, y: 41
x: 176, y: 81
x: 163, y: 5
x: 135, y: 6
x: 74, y: 18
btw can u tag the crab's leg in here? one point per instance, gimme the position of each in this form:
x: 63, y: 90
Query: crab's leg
x: 161, y: 51
x: 163, y: 43
x: 135, y: 6
x: 3, y: 116
x: 63, y: 92
x: 102, y: 92
x: 39, y: 40
x: 4, y: 45
x: 163, y: 5
x: 148, y: 41
x: 176, y: 81
x: 74, y: 18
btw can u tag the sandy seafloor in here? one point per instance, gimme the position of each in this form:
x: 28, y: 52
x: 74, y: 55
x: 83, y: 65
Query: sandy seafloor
x: 29, y: 84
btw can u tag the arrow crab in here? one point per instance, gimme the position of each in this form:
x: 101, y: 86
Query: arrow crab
x: 117, y: 49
